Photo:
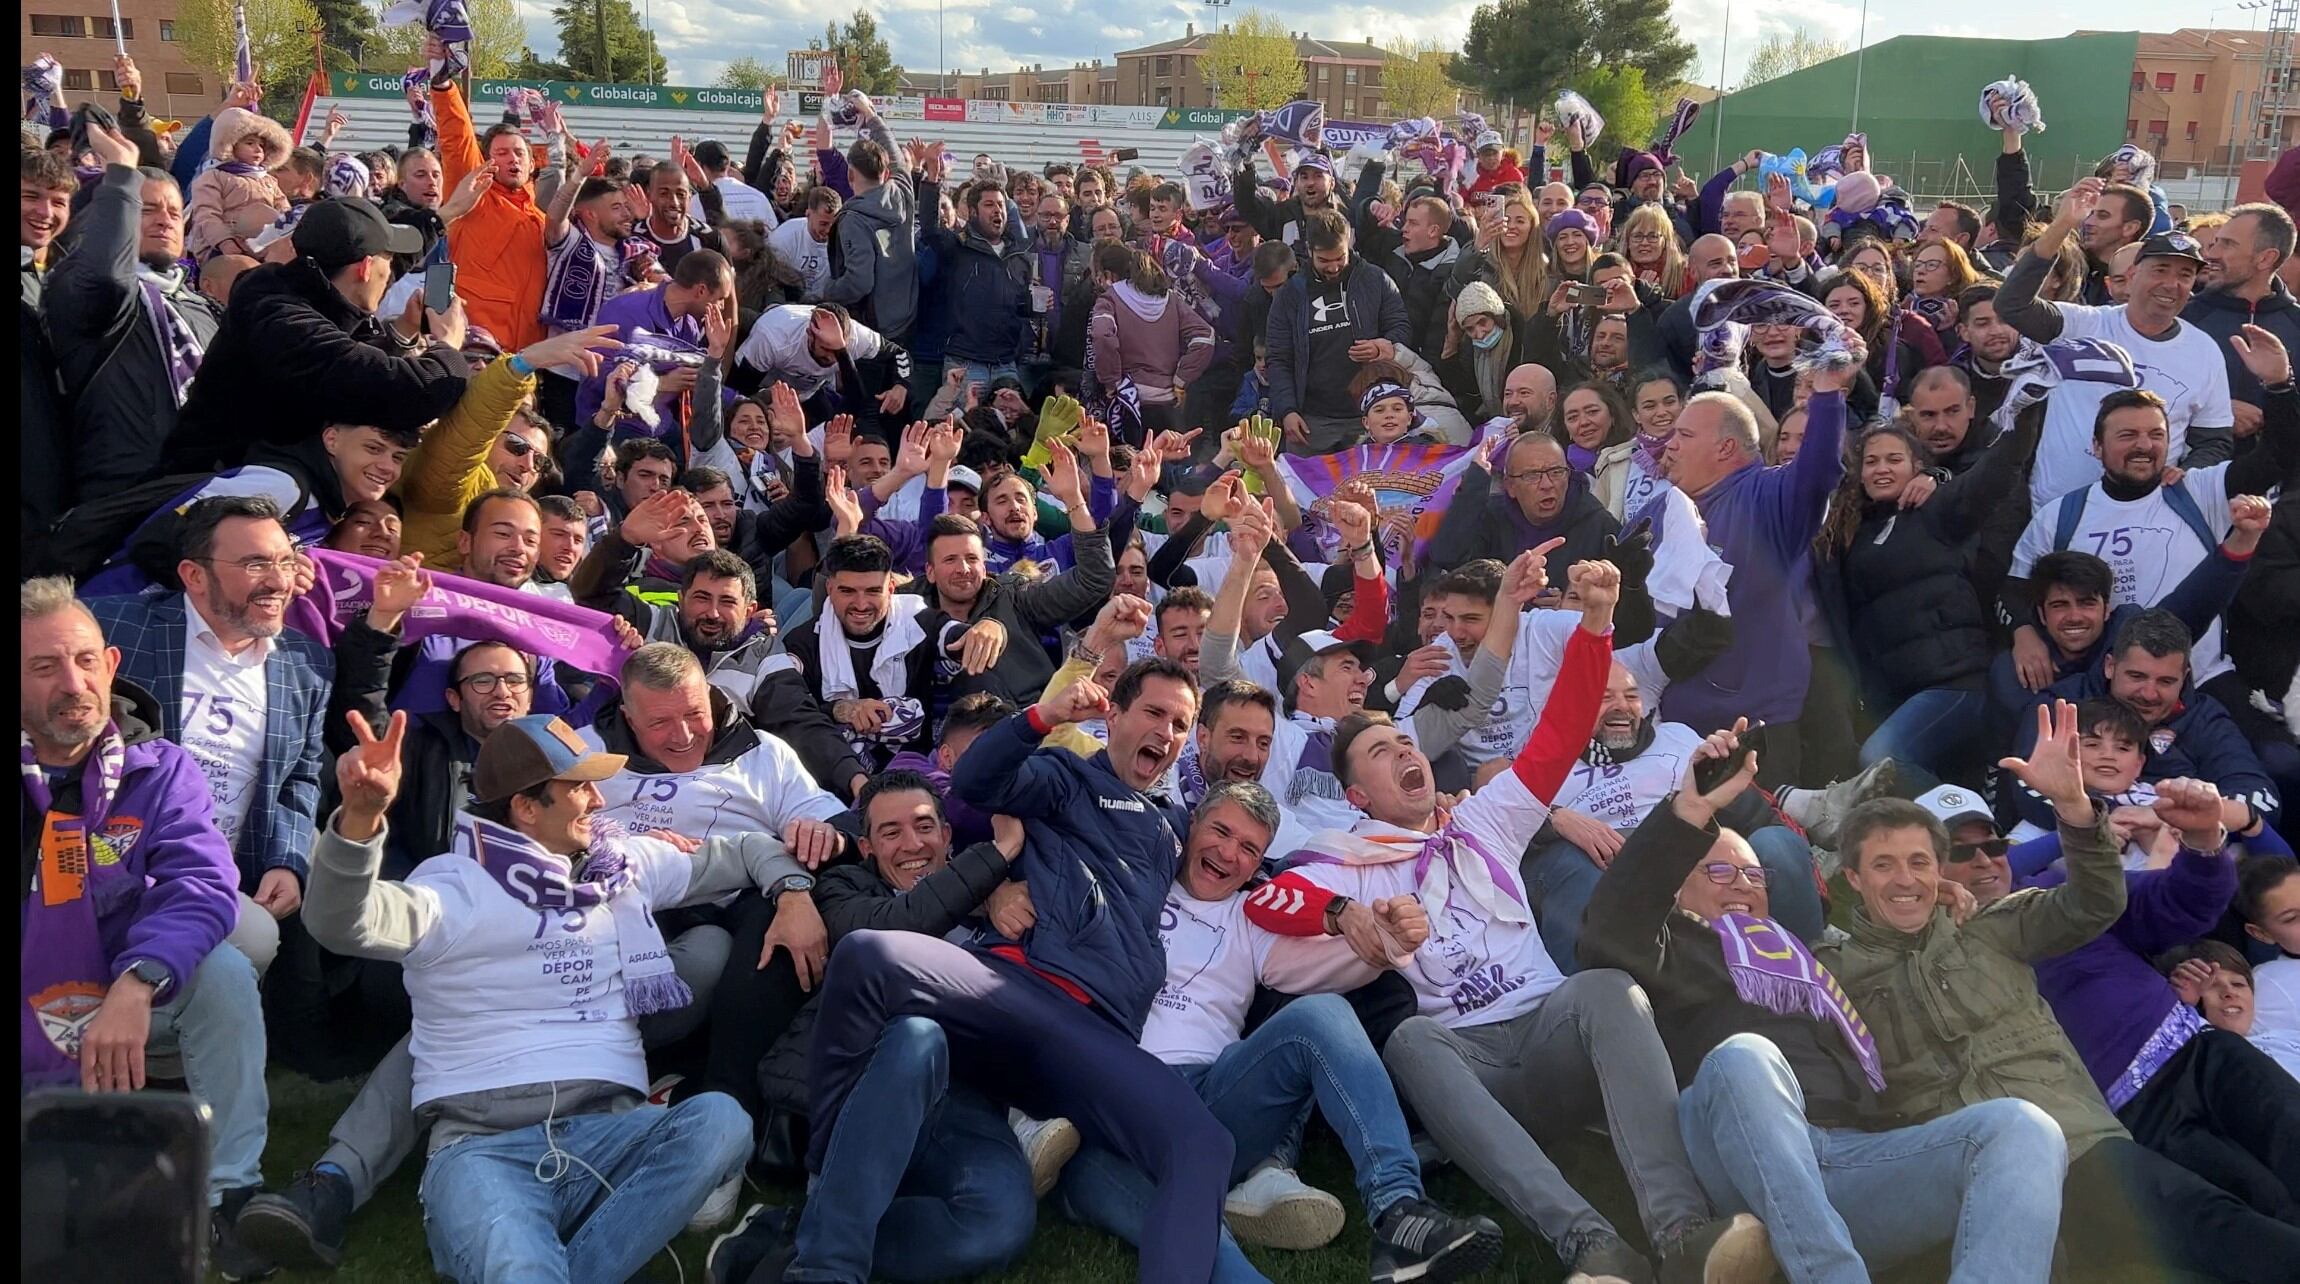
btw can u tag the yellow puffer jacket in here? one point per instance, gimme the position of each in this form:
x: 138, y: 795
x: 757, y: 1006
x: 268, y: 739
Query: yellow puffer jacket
x: 449, y: 470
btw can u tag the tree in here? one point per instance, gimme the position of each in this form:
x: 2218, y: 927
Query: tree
x: 497, y: 43
x: 350, y: 26
x: 279, y: 35
x: 1630, y: 109
x: 1778, y: 55
x: 744, y: 73
x: 1252, y: 64
x: 863, y: 56
x: 1528, y: 50
x: 632, y: 57
x: 1417, y: 78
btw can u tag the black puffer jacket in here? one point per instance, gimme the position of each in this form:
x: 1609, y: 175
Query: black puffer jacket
x: 1899, y: 598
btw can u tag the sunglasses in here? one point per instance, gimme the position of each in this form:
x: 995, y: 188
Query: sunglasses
x: 1993, y: 848
x: 1723, y: 872
x: 519, y: 446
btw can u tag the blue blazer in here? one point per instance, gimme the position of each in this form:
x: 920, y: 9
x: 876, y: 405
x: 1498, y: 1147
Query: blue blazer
x: 148, y: 628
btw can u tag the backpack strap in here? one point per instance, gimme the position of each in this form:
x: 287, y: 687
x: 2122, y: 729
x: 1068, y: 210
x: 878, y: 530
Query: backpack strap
x: 2066, y: 520
x: 2184, y: 504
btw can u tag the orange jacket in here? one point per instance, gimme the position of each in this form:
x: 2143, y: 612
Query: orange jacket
x: 498, y: 246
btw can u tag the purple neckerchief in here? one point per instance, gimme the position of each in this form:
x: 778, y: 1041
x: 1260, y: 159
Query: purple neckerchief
x: 1531, y: 533
x: 1581, y: 459
x: 1773, y: 970
x: 545, y: 881
x: 62, y: 964
x: 2180, y: 1025
x: 241, y: 169
x: 178, y: 349
x: 459, y: 607
x: 1648, y: 450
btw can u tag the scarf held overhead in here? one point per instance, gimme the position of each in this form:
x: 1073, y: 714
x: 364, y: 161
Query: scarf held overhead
x: 458, y: 607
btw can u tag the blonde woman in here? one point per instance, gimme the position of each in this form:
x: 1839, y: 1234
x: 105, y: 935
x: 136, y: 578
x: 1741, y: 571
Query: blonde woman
x: 1511, y: 257
x: 1649, y: 242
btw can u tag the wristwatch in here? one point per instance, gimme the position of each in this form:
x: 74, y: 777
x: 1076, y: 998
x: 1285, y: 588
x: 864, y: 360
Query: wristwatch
x: 793, y: 883
x: 150, y: 973
x: 1334, y: 910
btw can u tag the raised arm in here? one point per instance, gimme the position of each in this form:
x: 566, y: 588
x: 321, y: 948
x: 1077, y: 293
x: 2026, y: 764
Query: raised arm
x: 2044, y: 922
x: 345, y: 906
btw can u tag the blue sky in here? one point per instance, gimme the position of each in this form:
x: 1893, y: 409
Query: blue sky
x: 700, y: 36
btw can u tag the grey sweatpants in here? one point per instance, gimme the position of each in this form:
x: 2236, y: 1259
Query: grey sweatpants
x: 1588, y: 1053
x: 377, y: 1132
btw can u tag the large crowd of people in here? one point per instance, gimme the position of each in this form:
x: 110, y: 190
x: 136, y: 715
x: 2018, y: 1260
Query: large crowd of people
x: 985, y: 694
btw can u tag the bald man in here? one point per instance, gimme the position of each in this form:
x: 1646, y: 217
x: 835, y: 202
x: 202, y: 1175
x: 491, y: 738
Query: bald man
x: 1529, y: 393
x: 1553, y: 199
x: 1712, y: 258
x: 2118, y: 278
x: 218, y: 274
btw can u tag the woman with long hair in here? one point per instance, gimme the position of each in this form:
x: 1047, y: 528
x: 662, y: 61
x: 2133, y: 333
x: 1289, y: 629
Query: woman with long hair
x: 1627, y: 474
x: 1649, y: 241
x: 1591, y: 417
x: 1511, y: 258
x: 1852, y: 297
x: 1481, y: 334
x: 1143, y: 333
x: 1573, y: 238
x: 1894, y: 590
x: 1874, y: 259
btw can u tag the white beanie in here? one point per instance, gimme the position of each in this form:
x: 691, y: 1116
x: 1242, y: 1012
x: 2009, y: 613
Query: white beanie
x: 1478, y: 298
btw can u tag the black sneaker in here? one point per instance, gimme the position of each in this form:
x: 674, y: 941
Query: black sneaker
x: 1601, y: 1258
x: 1416, y: 1242
x: 1722, y: 1250
x: 232, y: 1259
x: 302, y: 1227
x: 757, y: 1250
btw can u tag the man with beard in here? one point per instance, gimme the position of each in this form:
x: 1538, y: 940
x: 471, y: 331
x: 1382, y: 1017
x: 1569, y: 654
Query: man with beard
x: 1287, y: 221
x: 640, y: 560
x: 984, y: 278
x: 759, y: 536
x: 128, y: 897
x: 2153, y: 524
x: 864, y: 657
x: 1049, y: 1024
x: 1630, y: 767
x: 1237, y: 720
x: 1311, y: 1051
x: 1988, y: 342
x: 1339, y: 312
x: 2240, y: 263
x: 2178, y: 363
x: 1940, y: 409
x: 245, y: 695
x: 1181, y: 619
x: 129, y: 327
x: 1504, y: 1044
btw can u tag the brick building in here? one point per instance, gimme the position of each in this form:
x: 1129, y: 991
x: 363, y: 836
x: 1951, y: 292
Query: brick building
x: 79, y: 33
x: 1345, y: 75
x: 2196, y: 99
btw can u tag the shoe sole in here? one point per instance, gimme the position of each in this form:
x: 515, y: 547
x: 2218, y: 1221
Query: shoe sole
x: 1057, y: 1146
x: 1742, y: 1255
x: 1468, y: 1255
x: 1584, y: 1278
x: 705, y: 1220
x: 280, y: 1233
x: 1299, y: 1224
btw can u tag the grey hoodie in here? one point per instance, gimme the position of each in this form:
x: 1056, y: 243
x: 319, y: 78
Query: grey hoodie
x: 874, y: 271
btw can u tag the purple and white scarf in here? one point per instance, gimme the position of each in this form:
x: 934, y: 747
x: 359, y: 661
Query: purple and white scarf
x: 2011, y: 104
x: 1680, y: 120
x: 42, y: 78
x: 243, y: 53
x: 546, y: 881
x: 459, y: 607
x: 2179, y: 1026
x: 180, y: 350
x: 578, y: 279
x: 1755, y: 303
x: 1773, y: 970
x: 415, y: 86
x: 62, y: 964
x: 1573, y: 109
x: 2035, y: 369
x: 347, y: 175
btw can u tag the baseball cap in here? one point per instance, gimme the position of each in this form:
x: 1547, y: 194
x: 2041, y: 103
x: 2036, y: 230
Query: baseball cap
x: 338, y: 232
x: 2171, y: 245
x: 1310, y: 646
x: 526, y: 752
x: 1318, y: 161
x: 711, y: 154
x: 962, y: 476
x: 1952, y: 805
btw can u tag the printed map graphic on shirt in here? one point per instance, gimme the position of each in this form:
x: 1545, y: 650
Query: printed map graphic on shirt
x: 2185, y: 368
x: 1620, y: 794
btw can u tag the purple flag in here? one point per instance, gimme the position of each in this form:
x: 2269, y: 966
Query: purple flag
x: 458, y: 607
x: 243, y: 56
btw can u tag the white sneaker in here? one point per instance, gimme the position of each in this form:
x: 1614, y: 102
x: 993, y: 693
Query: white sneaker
x: 1273, y: 1209
x: 718, y: 1207
x: 1048, y: 1144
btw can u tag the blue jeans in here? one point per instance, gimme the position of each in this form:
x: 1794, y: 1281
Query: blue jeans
x: 1314, y: 1048
x: 977, y: 372
x: 504, y: 1208
x: 921, y: 1181
x: 215, y: 1022
x: 1839, y: 1202
x: 1932, y: 729
x: 1560, y: 878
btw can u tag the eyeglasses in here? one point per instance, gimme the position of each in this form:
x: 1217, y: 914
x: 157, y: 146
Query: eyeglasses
x: 1723, y: 872
x: 258, y: 567
x: 1592, y: 203
x: 519, y: 446
x: 485, y: 683
x: 1648, y: 235
x: 1993, y: 848
x: 1930, y: 265
x: 1556, y: 474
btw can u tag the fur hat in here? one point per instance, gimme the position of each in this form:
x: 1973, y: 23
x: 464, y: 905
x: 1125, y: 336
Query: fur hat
x: 235, y: 123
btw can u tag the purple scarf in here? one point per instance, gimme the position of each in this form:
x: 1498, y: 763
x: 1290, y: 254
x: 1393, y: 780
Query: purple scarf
x: 178, y: 349
x: 458, y: 607
x: 62, y: 964
x: 241, y: 168
x: 545, y: 881
x: 1773, y: 970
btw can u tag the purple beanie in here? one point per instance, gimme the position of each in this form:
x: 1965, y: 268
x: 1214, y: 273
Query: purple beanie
x: 1571, y: 221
